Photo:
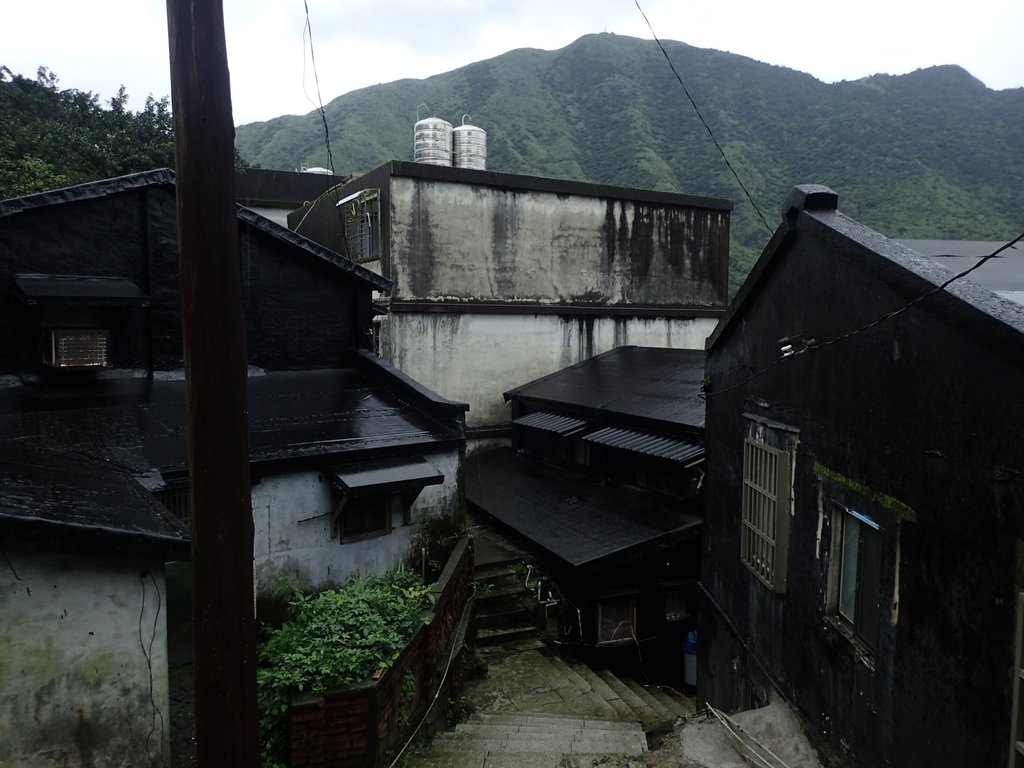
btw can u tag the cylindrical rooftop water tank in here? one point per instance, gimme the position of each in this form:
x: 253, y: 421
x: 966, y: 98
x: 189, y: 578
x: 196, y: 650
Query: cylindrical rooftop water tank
x: 469, y: 145
x: 432, y: 141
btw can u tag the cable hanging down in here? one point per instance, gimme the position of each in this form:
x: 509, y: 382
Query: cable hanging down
x: 704, y: 122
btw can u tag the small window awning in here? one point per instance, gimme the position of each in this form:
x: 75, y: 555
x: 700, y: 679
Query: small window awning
x: 674, y: 449
x: 405, y: 473
x: 79, y: 290
x: 551, y: 422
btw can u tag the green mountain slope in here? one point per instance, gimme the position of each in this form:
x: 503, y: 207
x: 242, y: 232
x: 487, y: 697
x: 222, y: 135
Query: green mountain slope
x: 930, y: 154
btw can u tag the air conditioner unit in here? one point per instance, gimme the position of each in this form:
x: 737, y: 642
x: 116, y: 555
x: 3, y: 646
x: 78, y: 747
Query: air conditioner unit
x: 77, y: 348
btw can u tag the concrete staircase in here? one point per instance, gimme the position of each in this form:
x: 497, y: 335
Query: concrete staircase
x: 505, y: 608
x: 536, y: 710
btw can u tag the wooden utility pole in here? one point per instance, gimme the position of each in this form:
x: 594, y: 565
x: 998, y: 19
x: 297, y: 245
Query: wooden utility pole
x: 215, y: 370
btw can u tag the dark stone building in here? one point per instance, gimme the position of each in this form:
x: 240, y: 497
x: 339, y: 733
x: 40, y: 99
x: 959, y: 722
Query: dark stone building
x: 865, y: 497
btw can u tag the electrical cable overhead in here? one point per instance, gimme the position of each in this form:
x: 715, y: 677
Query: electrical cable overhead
x: 704, y: 122
x: 812, y: 344
x: 319, y: 104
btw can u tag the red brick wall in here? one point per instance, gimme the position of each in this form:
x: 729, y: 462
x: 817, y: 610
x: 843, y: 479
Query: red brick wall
x: 357, y: 726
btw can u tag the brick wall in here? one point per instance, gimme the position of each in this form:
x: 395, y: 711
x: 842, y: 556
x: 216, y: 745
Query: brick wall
x: 357, y: 726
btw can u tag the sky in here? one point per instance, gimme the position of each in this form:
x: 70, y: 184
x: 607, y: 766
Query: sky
x: 99, y: 45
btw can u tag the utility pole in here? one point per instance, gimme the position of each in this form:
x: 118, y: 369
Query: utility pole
x: 215, y: 370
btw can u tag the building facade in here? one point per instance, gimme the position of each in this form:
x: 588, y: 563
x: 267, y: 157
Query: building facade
x: 864, y: 498
x: 499, y: 279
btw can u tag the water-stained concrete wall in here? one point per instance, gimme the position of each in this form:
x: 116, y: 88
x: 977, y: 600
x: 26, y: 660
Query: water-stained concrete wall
x: 474, y: 358
x: 83, y: 661
x: 292, y: 536
x: 453, y: 240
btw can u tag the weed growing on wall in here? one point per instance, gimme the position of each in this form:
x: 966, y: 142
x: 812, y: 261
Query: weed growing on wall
x: 336, y: 638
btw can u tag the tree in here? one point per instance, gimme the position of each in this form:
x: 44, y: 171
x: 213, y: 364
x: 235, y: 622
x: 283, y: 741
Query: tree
x: 55, y: 137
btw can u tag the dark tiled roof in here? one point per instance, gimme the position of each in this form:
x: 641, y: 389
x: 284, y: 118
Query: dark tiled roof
x: 164, y: 176
x: 293, y: 415
x: 655, y: 384
x: 68, y: 502
x: 582, y: 523
x: 1002, y: 274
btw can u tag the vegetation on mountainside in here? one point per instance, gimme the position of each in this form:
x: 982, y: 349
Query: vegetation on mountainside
x: 930, y: 154
x: 336, y: 638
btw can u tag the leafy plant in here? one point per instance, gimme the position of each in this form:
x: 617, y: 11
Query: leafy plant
x: 335, y: 638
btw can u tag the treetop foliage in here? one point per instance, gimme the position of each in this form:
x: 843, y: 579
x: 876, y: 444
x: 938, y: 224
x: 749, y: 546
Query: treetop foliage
x: 57, y: 137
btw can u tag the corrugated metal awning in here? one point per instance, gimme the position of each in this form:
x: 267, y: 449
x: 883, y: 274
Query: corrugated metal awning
x: 400, y: 474
x: 551, y: 422
x: 684, y: 451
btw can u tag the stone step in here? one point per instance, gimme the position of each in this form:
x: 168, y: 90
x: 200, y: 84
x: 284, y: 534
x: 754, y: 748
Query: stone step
x: 602, y: 689
x: 542, y: 731
x: 571, y: 675
x: 675, y: 702
x: 490, y: 617
x: 645, y: 713
x: 503, y: 573
x: 493, y: 654
x: 554, y: 746
x: 501, y: 635
x: 552, y: 719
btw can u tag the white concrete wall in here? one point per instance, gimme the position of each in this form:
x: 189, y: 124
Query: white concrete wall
x: 462, y: 241
x: 74, y: 679
x: 474, y: 358
x: 292, y: 529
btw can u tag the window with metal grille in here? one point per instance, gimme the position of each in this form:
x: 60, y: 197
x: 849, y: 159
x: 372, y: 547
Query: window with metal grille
x: 765, y: 509
x: 362, y: 225
x: 77, y: 348
x: 178, y: 502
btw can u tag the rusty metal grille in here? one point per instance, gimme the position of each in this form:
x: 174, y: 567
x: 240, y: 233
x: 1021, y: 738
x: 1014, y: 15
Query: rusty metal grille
x: 178, y: 502
x: 78, y: 349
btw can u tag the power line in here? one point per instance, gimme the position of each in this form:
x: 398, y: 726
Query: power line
x: 702, y: 120
x: 813, y: 344
x: 308, y: 30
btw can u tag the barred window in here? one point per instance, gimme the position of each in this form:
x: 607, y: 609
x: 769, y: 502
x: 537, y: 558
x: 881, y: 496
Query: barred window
x: 765, y: 507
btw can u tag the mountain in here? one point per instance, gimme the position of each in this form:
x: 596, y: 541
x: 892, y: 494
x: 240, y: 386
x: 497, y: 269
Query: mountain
x: 931, y: 154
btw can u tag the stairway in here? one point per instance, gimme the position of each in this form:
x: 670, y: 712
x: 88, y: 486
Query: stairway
x: 538, y: 711
x: 505, y: 608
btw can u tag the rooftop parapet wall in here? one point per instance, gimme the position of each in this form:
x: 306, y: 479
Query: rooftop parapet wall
x: 452, y: 241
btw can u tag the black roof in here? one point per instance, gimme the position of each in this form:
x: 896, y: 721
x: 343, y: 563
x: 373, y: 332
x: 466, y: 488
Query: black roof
x: 293, y: 415
x: 585, y: 525
x: 1003, y: 274
x: 64, y: 501
x: 812, y: 211
x: 163, y: 177
x: 652, y: 384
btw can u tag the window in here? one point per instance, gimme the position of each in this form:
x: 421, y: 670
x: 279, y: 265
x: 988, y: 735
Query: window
x: 178, y: 500
x: 362, y: 224
x: 616, y: 618
x: 677, y: 603
x: 362, y: 517
x: 765, y: 509
x: 855, y: 573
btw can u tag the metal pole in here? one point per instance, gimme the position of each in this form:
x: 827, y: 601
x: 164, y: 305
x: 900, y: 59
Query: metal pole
x: 215, y: 370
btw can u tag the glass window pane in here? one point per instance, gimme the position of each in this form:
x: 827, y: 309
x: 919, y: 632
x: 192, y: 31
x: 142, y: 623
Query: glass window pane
x: 848, y: 566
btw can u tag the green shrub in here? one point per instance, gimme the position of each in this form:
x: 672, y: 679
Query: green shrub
x: 336, y: 638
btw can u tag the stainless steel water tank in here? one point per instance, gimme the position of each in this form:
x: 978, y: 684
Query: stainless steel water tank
x: 469, y: 145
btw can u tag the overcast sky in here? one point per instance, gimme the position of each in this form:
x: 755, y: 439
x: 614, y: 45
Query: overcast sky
x: 98, y: 45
